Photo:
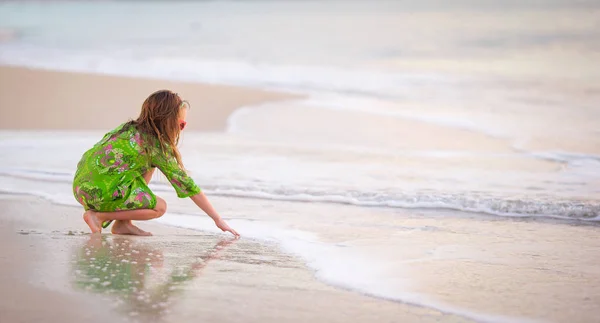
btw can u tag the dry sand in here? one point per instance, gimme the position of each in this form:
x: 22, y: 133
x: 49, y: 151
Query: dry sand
x: 36, y: 99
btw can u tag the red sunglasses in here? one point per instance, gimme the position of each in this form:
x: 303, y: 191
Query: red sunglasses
x: 182, y: 123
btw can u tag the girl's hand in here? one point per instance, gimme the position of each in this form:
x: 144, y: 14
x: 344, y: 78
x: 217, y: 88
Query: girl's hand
x: 202, y: 201
x: 221, y: 224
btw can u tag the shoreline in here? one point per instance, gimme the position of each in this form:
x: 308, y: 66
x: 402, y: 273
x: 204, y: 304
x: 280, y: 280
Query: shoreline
x: 236, y: 272
x: 447, y: 279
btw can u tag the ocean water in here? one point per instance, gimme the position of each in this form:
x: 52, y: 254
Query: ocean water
x: 475, y: 108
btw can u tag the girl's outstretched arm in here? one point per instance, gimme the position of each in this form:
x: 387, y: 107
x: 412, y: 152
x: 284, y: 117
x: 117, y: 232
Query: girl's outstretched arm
x: 185, y: 187
x: 202, y: 201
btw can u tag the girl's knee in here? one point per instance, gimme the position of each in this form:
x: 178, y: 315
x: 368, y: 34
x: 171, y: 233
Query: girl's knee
x: 161, y: 207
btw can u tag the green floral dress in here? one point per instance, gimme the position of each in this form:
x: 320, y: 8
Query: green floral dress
x: 109, y: 176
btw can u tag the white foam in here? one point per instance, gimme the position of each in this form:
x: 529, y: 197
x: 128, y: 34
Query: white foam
x: 340, y: 265
x: 292, y: 77
x: 337, y: 265
x: 552, y: 207
x: 376, y: 106
x: 563, y: 156
x: 553, y: 155
x: 585, y: 167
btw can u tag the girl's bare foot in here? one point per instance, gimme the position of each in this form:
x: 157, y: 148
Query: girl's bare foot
x: 92, y: 221
x: 127, y: 228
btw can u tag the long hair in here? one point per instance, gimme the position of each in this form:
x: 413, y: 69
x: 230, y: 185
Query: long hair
x: 159, y: 119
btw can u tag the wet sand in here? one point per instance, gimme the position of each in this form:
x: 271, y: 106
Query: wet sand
x: 175, y: 276
x: 492, y: 270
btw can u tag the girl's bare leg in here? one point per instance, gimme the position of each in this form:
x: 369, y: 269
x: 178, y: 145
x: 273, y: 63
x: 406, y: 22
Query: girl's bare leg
x: 128, y: 228
x: 123, y: 219
x: 125, y: 227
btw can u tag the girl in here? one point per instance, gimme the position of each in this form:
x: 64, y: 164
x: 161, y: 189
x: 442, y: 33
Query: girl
x: 112, y: 177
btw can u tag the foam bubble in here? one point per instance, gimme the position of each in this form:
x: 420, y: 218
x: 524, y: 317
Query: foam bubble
x: 301, y: 78
x: 477, y: 202
x: 336, y: 265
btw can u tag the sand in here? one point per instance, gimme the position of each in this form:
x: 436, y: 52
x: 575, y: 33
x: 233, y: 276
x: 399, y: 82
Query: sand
x: 54, y: 271
x: 36, y: 99
x: 506, y: 270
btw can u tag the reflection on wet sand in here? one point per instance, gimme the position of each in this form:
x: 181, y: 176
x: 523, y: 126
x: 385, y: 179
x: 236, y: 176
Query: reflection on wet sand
x: 137, y: 274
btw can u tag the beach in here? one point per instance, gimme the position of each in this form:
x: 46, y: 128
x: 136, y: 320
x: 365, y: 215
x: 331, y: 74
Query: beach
x: 486, y: 266
x: 55, y: 260
x: 383, y: 161
x: 47, y: 267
